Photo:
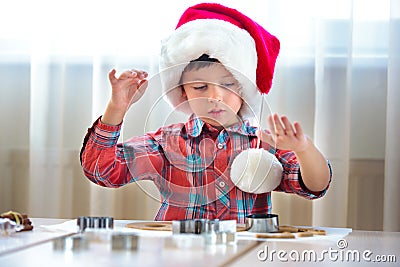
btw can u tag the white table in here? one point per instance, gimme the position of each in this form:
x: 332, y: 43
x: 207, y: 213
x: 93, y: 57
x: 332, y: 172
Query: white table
x: 35, y: 248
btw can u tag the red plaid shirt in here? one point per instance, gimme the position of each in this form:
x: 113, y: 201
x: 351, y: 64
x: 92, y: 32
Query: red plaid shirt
x: 190, y: 165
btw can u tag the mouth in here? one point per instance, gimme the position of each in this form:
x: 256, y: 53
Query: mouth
x: 216, y: 112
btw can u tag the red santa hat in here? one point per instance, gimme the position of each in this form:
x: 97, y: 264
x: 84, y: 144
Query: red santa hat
x: 244, y: 47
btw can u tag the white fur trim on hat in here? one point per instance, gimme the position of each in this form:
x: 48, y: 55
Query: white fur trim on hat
x: 232, y: 46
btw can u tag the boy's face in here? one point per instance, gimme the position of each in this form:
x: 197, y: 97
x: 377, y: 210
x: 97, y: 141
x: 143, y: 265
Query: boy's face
x: 212, y: 93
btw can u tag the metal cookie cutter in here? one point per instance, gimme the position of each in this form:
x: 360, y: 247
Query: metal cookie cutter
x: 75, y: 243
x: 124, y: 241
x: 196, y: 226
x: 214, y: 231
x: 200, y: 226
x: 262, y: 223
x: 84, y: 222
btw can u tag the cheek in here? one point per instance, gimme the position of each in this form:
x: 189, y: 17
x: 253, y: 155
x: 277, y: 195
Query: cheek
x: 237, y: 103
x: 190, y: 94
x: 198, y: 104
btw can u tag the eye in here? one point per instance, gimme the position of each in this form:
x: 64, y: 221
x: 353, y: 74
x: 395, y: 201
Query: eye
x: 200, y: 87
x: 228, y: 84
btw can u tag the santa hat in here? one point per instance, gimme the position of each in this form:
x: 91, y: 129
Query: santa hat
x: 245, y: 48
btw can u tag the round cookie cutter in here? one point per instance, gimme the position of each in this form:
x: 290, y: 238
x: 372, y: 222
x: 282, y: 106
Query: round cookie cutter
x: 201, y: 226
x: 262, y: 223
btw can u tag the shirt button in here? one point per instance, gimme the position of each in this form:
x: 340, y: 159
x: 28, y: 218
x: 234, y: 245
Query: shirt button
x: 220, y: 146
x: 222, y: 184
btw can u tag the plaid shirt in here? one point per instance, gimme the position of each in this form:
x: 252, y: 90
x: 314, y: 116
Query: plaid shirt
x: 190, y: 165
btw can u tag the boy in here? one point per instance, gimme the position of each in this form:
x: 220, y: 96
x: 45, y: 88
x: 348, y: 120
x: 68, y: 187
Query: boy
x: 209, y: 66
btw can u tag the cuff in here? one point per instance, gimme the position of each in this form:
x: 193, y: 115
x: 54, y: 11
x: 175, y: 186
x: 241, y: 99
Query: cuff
x: 105, y: 129
x: 102, y: 135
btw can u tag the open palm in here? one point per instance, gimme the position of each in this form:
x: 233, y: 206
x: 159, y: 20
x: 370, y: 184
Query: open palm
x: 283, y: 134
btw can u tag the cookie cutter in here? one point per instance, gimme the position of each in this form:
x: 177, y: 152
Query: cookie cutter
x: 124, y: 241
x: 214, y: 232
x: 85, y: 222
x: 196, y: 226
x: 262, y: 223
x: 201, y: 226
x: 74, y: 243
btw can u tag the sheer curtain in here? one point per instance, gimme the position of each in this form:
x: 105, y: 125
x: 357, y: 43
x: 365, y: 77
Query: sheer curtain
x: 337, y: 74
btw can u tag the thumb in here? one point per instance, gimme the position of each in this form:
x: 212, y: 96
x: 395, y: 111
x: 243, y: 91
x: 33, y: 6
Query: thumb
x: 111, y: 76
x: 266, y: 137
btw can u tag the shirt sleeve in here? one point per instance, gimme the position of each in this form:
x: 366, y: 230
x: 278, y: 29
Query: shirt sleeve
x: 292, y: 181
x: 111, y: 164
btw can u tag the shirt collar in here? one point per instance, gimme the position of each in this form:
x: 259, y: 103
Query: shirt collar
x: 194, y: 127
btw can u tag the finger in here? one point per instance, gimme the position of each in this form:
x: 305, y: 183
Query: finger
x: 111, y: 76
x: 143, y: 84
x: 138, y: 94
x: 299, y: 130
x: 140, y: 91
x: 142, y: 88
x: 279, y: 129
x: 141, y: 74
x: 289, y: 130
x: 128, y: 74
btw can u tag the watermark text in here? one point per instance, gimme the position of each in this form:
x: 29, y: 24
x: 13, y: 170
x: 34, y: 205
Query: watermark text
x: 332, y: 254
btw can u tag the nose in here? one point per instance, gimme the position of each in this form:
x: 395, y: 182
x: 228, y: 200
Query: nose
x: 215, y: 93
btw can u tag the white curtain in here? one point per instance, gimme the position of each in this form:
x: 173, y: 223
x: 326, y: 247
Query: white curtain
x: 391, y: 219
x: 337, y: 73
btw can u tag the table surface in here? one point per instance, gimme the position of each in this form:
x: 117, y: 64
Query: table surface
x: 35, y: 248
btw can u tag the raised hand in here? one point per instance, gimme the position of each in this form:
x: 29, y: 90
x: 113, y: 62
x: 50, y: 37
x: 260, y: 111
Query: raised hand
x: 127, y: 89
x: 284, y: 135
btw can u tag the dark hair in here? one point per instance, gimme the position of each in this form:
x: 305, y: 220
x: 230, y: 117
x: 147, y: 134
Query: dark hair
x: 201, y: 62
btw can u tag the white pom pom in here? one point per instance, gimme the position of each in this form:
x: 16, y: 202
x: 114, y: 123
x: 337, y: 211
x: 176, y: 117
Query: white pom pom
x: 256, y: 171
